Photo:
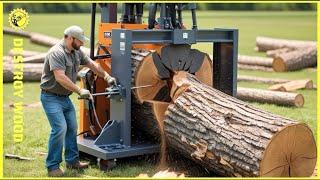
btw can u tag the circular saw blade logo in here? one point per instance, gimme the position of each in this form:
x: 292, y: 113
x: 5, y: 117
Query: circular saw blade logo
x: 18, y: 18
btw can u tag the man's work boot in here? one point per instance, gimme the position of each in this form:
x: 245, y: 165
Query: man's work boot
x: 78, y: 165
x: 55, y: 173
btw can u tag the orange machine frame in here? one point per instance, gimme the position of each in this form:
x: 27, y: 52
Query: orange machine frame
x: 102, y: 103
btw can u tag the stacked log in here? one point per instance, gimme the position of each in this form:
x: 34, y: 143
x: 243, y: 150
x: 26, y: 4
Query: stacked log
x: 24, y: 53
x: 255, y: 60
x: 295, y: 60
x: 292, y: 85
x: 31, y: 72
x: 265, y: 44
x: 271, y: 97
x: 254, y: 68
x: 232, y: 138
x: 261, y: 79
x: 277, y: 52
x: 11, y: 31
x: 44, y: 40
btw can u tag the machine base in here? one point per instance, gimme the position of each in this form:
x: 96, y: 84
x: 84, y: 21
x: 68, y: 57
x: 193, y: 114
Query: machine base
x: 113, y: 151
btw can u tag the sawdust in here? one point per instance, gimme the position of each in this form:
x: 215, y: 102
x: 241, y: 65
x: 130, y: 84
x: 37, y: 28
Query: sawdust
x: 163, y: 146
x: 163, y: 174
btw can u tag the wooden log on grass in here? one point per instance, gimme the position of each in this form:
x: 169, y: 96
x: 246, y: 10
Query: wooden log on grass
x: 292, y: 85
x: 43, y: 39
x: 255, y: 60
x: 271, y: 97
x: 24, y: 53
x: 245, y: 78
x: 277, y: 52
x: 254, y: 68
x: 11, y: 31
x: 232, y: 138
x: 29, y: 71
x: 39, y: 58
x: 265, y: 44
x: 295, y: 60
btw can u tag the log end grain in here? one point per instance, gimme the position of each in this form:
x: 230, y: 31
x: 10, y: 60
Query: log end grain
x: 291, y: 152
x: 278, y: 65
x: 299, y: 100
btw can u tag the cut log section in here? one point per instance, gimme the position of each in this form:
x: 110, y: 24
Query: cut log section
x: 254, y: 68
x: 295, y: 60
x: 265, y: 44
x: 292, y: 85
x: 11, y: 31
x: 277, y: 52
x: 146, y: 72
x: 261, y: 79
x: 24, y: 53
x: 233, y: 138
x: 31, y: 72
x: 255, y: 60
x: 271, y: 97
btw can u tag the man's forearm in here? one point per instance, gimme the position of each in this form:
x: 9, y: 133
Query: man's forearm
x: 68, y: 84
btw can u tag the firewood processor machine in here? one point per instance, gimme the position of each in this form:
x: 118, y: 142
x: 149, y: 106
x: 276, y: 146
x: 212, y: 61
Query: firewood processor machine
x: 105, y: 121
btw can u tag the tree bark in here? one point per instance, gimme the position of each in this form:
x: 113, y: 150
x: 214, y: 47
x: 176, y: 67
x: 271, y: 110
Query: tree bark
x: 31, y: 72
x: 255, y: 60
x: 254, y: 68
x: 265, y: 44
x: 261, y: 79
x: 292, y: 85
x: 277, y: 52
x: 296, y: 60
x: 233, y: 138
x: 271, y: 97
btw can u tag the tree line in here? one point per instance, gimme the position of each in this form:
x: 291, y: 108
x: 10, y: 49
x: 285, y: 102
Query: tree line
x: 85, y: 7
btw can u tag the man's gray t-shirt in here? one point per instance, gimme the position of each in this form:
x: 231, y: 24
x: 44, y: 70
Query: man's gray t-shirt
x: 59, y: 57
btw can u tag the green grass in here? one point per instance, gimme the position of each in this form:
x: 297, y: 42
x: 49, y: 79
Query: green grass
x: 292, y: 25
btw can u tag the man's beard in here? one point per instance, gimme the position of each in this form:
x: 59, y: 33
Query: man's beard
x: 74, y: 45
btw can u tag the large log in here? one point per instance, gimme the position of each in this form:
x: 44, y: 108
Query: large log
x: 31, y: 72
x: 11, y: 31
x: 266, y: 43
x: 233, y: 138
x: 271, y: 97
x: 295, y: 60
x: 255, y: 60
x: 293, y: 85
x: 261, y: 79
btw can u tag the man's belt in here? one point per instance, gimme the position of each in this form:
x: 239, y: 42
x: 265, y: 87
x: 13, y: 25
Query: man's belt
x: 52, y: 93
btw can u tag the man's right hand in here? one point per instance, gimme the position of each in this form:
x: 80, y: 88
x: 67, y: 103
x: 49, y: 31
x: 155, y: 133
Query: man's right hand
x: 84, y: 93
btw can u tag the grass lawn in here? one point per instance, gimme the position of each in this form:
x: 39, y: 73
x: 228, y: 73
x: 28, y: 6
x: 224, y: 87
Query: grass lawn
x: 292, y: 25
